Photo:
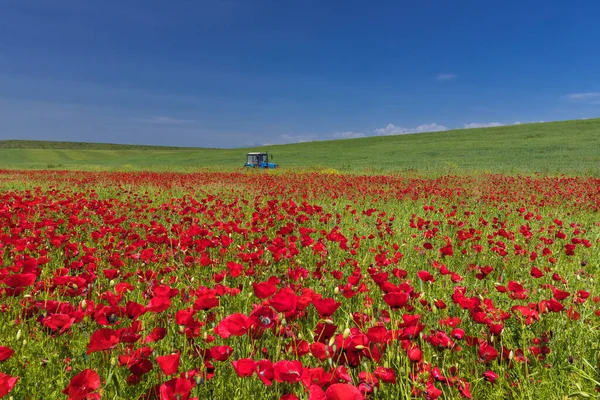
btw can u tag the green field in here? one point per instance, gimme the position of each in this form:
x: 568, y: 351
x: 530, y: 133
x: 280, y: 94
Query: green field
x: 569, y: 147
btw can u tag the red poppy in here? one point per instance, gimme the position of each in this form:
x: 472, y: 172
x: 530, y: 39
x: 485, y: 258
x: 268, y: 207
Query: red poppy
x: 536, y: 273
x: 168, y: 364
x: 425, y: 276
x: 7, y: 383
x: 386, y: 375
x: 396, y: 300
x: 134, y: 310
x: 158, y: 304
x: 263, y: 290
x: 58, y: 322
x: 141, y: 367
x: 20, y: 280
x: 156, y: 335
x: 235, y: 269
x: 288, y: 371
x: 343, y: 391
x: 490, y: 376
x: 264, y: 371
x: 415, y: 354
x: 6, y: 353
x: 244, y: 367
x: 83, y: 386
x: 102, y: 339
x: 175, y: 389
x: 206, y: 302
x: 326, y: 307
x: 221, y: 353
x: 234, y: 324
x: 447, y: 250
x: 285, y: 300
x: 487, y: 352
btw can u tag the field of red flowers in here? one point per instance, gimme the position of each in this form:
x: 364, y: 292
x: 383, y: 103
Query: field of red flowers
x: 298, y: 285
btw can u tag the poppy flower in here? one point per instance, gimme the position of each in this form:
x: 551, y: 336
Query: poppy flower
x: 487, y: 352
x: 264, y: 371
x: 490, y: 376
x: 386, y: 375
x: 221, y: 353
x: 447, y: 250
x: 168, y: 364
x: 175, y: 389
x: 326, y: 307
x: 396, y: 300
x: 6, y: 353
x: 206, y: 302
x: 20, y: 280
x: 83, y: 385
x: 235, y: 324
x: 425, y: 276
x: 134, y: 310
x: 244, y: 367
x: 343, y: 391
x: 7, y: 383
x: 140, y: 367
x: 285, y: 300
x: 102, y: 339
x: 158, y: 304
x: 263, y: 290
x: 157, y: 334
x: 58, y: 322
x: 287, y: 371
x: 415, y: 354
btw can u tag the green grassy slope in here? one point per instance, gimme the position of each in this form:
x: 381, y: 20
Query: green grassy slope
x: 571, y: 147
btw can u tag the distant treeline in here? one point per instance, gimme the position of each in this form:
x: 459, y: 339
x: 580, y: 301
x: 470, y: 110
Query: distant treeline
x: 39, y: 144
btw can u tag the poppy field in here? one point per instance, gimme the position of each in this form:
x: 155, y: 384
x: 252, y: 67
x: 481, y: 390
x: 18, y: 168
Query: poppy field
x: 271, y: 285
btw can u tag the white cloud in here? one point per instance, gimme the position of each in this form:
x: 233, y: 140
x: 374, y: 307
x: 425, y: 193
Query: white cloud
x: 517, y: 123
x: 162, y: 120
x: 583, y: 96
x: 287, y: 138
x: 347, y: 135
x: 446, y: 77
x: 392, y: 129
x: 480, y: 125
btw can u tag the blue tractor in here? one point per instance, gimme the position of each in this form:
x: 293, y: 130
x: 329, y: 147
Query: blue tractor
x: 259, y: 160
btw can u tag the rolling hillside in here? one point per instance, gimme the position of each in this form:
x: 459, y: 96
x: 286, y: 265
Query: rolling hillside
x: 570, y: 147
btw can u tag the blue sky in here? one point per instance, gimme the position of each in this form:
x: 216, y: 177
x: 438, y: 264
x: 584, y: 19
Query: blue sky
x: 236, y: 73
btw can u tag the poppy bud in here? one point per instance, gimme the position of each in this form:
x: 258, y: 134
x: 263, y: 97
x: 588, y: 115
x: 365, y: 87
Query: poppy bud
x: 346, y: 333
x: 336, y: 290
x: 19, y: 334
x: 331, y: 341
x: 328, y: 321
x: 111, y: 283
x: 83, y: 304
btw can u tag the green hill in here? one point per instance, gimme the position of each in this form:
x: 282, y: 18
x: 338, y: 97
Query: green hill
x: 570, y: 147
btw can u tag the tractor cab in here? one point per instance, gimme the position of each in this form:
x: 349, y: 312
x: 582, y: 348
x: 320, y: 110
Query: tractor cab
x: 259, y: 160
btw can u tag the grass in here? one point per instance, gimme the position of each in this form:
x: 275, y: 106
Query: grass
x: 568, y: 147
